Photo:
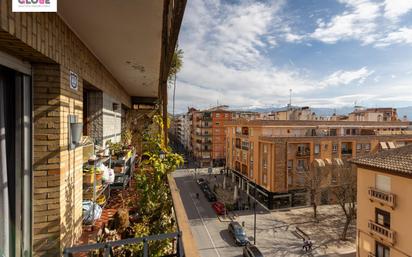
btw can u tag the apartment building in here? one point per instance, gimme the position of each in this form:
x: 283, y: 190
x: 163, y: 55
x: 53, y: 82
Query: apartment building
x: 294, y: 113
x: 274, y: 155
x: 373, y: 114
x: 384, y: 206
x: 208, y: 136
x: 84, y: 66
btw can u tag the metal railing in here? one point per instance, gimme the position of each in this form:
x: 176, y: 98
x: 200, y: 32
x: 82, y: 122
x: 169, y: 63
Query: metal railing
x: 301, y: 153
x: 382, y: 232
x: 107, y: 247
x: 371, y: 254
x: 382, y: 197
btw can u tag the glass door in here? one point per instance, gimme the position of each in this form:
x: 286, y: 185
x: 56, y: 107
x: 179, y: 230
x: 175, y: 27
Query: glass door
x: 15, y: 163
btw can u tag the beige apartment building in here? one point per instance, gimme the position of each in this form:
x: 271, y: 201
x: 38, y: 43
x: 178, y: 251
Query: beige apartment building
x: 274, y: 155
x: 384, y: 203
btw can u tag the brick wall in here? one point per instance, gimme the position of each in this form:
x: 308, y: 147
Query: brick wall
x: 57, y: 171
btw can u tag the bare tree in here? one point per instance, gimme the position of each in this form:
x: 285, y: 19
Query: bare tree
x: 345, y: 193
x: 315, y: 184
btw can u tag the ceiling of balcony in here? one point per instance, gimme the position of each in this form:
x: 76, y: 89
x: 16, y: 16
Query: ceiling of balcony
x: 125, y: 35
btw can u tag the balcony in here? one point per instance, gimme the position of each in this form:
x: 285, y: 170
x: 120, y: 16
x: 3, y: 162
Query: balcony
x: 382, y: 197
x: 371, y: 254
x: 381, y: 232
x: 303, y: 153
x: 346, y: 152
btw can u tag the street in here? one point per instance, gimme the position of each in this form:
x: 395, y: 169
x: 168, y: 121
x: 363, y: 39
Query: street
x: 209, y: 232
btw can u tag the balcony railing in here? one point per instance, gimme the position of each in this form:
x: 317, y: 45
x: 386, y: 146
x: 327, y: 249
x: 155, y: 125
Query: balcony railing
x: 107, y: 247
x: 303, y: 153
x: 382, y: 232
x: 371, y: 254
x: 381, y: 197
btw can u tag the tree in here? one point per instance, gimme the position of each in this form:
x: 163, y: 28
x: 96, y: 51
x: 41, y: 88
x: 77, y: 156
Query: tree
x: 345, y: 193
x: 315, y: 184
x: 176, y: 66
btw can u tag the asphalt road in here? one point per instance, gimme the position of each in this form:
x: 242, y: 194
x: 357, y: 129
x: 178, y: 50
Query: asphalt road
x: 209, y: 232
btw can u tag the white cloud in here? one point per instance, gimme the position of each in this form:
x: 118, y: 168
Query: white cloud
x: 394, y: 9
x: 290, y: 37
x: 357, y: 22
x: 401, y: 36
x: 342, y: 77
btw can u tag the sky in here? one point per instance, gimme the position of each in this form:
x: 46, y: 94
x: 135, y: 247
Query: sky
x: 330, y: 53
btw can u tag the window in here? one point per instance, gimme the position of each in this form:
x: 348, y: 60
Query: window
x: 358, y: 147
x: 251, y: 146
x: 217, y: 115
x: 290, y: 165
x: 383, y: 218
x: 381, y: 250
x: 317, y: 148
x: 244, y: 156
x: 265, y: 148
x: 301, y: 165
x: 367, y: 147
x: 264, y: 178
x: 347, y: 132
x: 226, y: 115
x: 264, y: 164
x: 251, y: 169
x: 217, y: 123
x: 335, y: 148
x: 251, y: 131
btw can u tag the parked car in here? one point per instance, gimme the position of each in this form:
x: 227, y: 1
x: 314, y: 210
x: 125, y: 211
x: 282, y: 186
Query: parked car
x: 251, y: 251
x: 219, y: 208
x: 238, y: 233
x: 204, y: 186
x: 210, y: 196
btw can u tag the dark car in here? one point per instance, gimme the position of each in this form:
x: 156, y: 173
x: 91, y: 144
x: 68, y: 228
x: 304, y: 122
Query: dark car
x: 251, y: 251
x: 210, y: 196
x: 200, y: 181
x: 204, y: 186
x: 238, y: 233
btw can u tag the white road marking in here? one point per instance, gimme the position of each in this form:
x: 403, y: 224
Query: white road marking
x: 204, y: 225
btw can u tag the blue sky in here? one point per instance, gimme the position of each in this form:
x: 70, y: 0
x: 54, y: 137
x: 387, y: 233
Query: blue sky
x: 331, y: 53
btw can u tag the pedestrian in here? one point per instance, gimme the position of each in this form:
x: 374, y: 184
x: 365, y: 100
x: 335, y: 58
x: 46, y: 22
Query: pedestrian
x: 197, y: 195
x: 305, y: 245
x: 310, y: 244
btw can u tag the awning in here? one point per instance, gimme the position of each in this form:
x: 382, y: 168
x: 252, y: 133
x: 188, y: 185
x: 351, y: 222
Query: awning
x: 383, y: 145
x: 328, y: 161
x: 338, y: 161
x: 391, y: 145
x: 319, y: 163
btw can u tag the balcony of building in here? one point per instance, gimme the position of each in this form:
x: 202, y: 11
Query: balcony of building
x: 303, y: 151
x: 381, y: 232
x: 346, y: 148
x: 382, y: 197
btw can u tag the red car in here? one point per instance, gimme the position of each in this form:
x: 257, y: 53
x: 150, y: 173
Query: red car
x: 219, y: 208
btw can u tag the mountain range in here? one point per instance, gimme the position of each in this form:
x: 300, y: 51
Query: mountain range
x: 402, y: 111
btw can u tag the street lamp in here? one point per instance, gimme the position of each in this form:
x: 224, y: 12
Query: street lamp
x: 162, y: 155
x: 254, y: 213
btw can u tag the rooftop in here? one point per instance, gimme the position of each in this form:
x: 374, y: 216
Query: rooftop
x: 304, y: 123
x: 397, y: 160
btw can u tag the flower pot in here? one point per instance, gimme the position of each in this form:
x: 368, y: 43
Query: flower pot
x: 118, y: 169
x: 88, y: 178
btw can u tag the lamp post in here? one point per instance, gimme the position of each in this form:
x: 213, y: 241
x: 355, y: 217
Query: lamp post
x: 254, y: 213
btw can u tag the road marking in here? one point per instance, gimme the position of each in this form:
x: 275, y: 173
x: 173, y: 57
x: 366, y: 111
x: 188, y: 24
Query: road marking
x: 204, y: 225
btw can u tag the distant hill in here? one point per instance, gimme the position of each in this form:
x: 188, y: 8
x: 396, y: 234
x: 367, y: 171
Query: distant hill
x: 329, y: 111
